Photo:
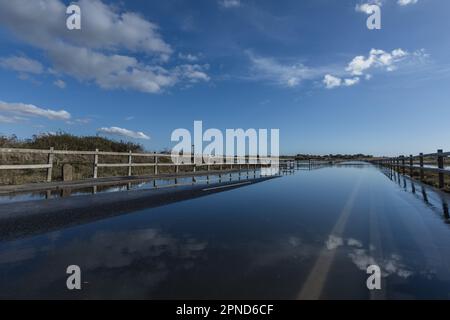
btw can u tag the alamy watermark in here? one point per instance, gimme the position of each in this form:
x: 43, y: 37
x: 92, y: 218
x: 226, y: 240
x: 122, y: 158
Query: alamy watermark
x: 251, y: 146
x: 374, y: 20
x: 374, y: 280
x: 73, y: 22
x: 373, y: 10
x: 73, y: 281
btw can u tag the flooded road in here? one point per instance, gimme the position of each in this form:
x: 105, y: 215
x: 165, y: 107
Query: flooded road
x: 308, y: 235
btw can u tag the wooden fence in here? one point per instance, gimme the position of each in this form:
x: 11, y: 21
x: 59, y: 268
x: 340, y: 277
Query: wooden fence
x: 248, y: 162
x: 406, y: 163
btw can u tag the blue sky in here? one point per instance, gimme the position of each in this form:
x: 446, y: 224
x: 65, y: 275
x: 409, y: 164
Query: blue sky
x: 137, y: 70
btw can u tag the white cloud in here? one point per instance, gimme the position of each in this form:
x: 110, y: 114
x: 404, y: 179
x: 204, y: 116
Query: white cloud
x: 22, y: 64
x: 293, y: 74
x: 360, y: 65
x: 391, y: 265
x: 21, y: 109
x: 406, y: 2
x: 124, y: 133
x: 287, y: 75
x: 334, y: 82
x: 104, y: 26
x: 60, y: 84
x: 362, y: 258
x: 9, y: 119
x: 331, y: 81
x: 366, y: 7
x: 93, y: 54
x: 193, y: 72
x: 376, y: 59
x: 230, y: 3
x: 351, y: 82
x: 188, y: 57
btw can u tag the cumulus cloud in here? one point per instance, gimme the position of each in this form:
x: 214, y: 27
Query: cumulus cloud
x: 230, y: 3
x: 21, y: 64
x: 406, y: 2
x: 376, y: 59
x: 367, y: 6
x: 97, y: 53
x: 331, y: 81
x: 293, y: 74
x: 25, y: 110
x: 364, y: 8
x: 193, y: 73
x: 351, y: 82
x: 123, y: 132
x: 104, y: 26
x: 334, y: 82
x: 361, y: 65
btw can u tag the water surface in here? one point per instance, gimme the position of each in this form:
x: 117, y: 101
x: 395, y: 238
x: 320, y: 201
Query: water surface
x: 309, y: 235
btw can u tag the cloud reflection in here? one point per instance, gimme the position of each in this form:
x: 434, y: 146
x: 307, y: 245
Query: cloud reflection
x: 362, y: 258
x: 116, y: 264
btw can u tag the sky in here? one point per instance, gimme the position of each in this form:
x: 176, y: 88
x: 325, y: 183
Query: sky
x: 138, y: 70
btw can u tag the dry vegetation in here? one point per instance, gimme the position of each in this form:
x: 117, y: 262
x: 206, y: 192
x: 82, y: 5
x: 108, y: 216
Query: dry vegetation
x: 430, y: 178
x: 82, y: 164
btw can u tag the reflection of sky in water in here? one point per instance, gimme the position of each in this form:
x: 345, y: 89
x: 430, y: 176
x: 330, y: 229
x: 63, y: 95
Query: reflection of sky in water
x: 362, y: 257
x: 259, y: 241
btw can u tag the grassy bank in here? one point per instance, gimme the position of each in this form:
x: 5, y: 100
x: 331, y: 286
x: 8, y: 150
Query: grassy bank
x: 430, y: 178
x: 82, y: 165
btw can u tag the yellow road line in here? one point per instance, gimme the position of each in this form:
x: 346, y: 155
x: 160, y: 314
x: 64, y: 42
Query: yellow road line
x: 314, y: 284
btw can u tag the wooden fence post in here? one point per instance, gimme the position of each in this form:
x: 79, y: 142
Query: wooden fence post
x: 411, y: 162
x: 421, y: 167
x: 96, y: 164
x: 156, y: 165
x: 440, y: 163
x: 403, y: 164
x: 50, y: 162
x: 130, y: 161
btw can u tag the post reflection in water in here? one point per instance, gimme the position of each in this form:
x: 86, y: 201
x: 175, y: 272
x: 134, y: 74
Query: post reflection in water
x: 443, y: 198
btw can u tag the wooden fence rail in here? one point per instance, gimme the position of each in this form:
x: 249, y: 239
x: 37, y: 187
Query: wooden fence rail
x: 207, y: 161
x: 403, y: 163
